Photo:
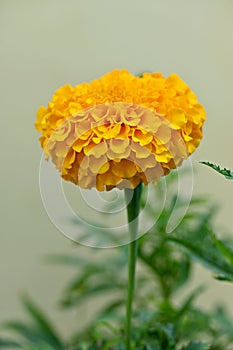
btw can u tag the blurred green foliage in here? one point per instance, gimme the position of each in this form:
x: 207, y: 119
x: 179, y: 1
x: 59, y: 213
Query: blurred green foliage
x: 165, y: 264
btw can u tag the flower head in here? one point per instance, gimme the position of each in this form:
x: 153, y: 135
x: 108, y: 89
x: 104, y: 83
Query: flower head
x: 120, y: 130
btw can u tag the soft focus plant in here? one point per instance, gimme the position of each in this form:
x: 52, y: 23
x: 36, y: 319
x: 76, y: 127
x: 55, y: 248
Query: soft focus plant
x: 166, y: 263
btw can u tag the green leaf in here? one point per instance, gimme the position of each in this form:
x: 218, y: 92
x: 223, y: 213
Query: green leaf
x: 111, y: 307
x: 209, y: 258
x: 26, y: 332
x: 224, y: 278
x: 225, y: 249
x: 39, y: 347
x: 188, y: 302
x: 196, y: 346
x: 43, y: 324
x: 95, y: 277
x: 224, y: 322
x: 40, y: 332
x: 81, y: 291
x: 5, y: 343
x: 223, y: 171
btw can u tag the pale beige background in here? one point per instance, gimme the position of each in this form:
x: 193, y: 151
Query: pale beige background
x: 45, y: 44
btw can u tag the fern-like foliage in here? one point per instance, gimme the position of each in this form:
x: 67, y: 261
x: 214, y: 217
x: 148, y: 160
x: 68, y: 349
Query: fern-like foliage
x: 223, y: 171
x: 165, y: 265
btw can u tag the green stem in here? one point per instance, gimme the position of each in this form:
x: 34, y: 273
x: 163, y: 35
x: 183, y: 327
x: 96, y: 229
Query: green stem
x: 133, y: 208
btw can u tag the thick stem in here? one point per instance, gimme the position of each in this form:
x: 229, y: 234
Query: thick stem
x: 133, y: 208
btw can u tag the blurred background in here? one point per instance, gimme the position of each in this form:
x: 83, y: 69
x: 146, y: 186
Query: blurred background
x: 47, y: 44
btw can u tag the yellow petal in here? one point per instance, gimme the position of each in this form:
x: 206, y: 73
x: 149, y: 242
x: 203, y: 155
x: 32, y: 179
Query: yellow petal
x: 124, y: 169
x: 74, y: 107
x: 163, y: 157
x: 98, y: 150
x: 141, y: 151
x: 84, y: 164
x: 118, y: 156
x: 150, y: 121
x: 69, y: 159
x: 79, y: 145
x: 98, y: 165
x: 142, y: 136
x: 144, y: 163
x: 61, y: 149
x: 177, y: 117
x: 163, y: 135
x: 118, y: 145
x: 104, y: 168
x: 107, y: 178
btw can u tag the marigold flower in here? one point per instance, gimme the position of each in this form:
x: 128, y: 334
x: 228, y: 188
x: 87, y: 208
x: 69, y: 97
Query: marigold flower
x: 121, y: 129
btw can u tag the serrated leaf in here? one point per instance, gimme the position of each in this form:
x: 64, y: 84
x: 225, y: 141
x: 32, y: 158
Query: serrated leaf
x: 223, y: 171
x: 209, y: 260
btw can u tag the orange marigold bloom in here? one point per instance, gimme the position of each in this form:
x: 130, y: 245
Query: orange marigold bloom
x: 121, y: 129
